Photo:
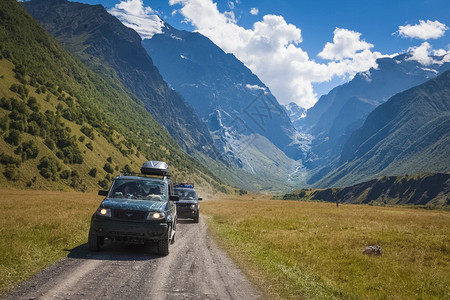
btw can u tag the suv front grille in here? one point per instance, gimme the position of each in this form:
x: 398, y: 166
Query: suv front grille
x: 131, y: 215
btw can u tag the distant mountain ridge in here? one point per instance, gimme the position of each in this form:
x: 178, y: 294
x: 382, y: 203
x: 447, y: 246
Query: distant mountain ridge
x: 100, y: 40
x: 410, y: 133
x: 211, y: 81
x: 431, y: 190
x: 344, y: 109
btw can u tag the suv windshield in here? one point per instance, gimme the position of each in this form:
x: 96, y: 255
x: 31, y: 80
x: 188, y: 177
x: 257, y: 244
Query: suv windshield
x: 186, y: 194
x: 139, y: 188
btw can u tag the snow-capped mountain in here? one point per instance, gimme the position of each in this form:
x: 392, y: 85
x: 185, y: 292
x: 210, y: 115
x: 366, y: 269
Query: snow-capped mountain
x: 295, y: 112
x: 336, y: 115
x: 212, y: 80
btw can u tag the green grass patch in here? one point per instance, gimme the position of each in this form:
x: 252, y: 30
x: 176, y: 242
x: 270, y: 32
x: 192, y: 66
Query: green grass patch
x: 314, y: 250
x: 38, y: 228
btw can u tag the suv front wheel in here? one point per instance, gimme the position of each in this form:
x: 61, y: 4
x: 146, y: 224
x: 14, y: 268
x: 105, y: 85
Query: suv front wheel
x: 95, y: 242
x: 163, y: 245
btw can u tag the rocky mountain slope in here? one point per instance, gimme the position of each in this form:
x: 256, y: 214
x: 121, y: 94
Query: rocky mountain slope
x: 336, y: 115
x: 214, y: 82
x: 113, y: 50
x: 410, y: 133
x: 62, y: 126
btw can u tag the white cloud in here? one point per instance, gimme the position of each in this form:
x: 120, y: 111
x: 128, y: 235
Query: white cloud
x: 424, y: 54
x: 271, y: 50
x: 133, y: 14
x: 421, y: 54
x: 424, y: 30
x: 346, y: 44
x: 254, y: 11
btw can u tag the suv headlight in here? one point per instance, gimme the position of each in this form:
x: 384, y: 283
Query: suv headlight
x: 193, y: 206
x: 156, y: 215
x: 104, y: 212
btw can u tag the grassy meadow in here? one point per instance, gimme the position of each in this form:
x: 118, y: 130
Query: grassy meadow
x: 38, y: 228
x: 291, y: 249
x: 313, y: 250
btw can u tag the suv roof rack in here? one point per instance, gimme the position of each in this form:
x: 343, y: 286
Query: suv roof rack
x: 154, y: 167
x: 143, y: 175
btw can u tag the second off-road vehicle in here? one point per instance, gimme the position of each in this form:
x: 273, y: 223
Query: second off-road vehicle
x: 187, y: 206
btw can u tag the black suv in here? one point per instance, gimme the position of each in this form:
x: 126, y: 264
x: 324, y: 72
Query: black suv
x: 187, y: 206
x: 138, y: 209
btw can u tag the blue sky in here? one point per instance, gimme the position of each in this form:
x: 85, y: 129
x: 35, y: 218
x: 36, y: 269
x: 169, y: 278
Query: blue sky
x: 295, y: 35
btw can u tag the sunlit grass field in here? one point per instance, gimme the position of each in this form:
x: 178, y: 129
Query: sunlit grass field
x: 311, y: 250
x: 38, y: 228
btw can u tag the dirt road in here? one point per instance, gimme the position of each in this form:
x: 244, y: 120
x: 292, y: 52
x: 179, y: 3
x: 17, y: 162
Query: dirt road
x: 194, y: 269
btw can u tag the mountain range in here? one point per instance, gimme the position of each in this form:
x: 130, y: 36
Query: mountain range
x: 177, y: 94
x: 112, y: 50
x: 408, y: 134
x: 65, y: 127
x: 221, y: 88
x: 331, y: 121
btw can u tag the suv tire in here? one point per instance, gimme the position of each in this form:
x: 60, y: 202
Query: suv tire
x: 95, y: 242
x: 163, y: 245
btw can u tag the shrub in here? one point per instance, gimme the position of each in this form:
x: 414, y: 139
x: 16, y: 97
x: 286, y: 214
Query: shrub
x: 103, y: 183
x: 13, y: 137
x: 33, y: 104
x: 108, y: 168
x: 64, y: 174
x: 4, y: 123
x: 93, y: 172
x: 90, y: 146
x: 11, y: 173
x: 49, y: 167
x: 49, y: 143
x: 33, y: 128
x: 17, y: 125
x: 72, y: 154
x: 6, y: 159
x: 6, y: 103
x: 81, y: 138
x: 126, y: 169
x: 109, y: 159
x: 19, y: 89
x: 89, y: 132
x: 27, y: 150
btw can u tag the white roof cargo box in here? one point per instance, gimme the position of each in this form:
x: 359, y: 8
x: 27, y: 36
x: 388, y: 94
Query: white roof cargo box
x: 154, y: 167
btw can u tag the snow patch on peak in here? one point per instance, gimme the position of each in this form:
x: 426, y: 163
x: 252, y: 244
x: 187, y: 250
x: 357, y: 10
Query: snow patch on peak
x: 366, y: 76
x: 255, y: 87
x: 140, y: 20
x: 430, y: 70
x: 175, y: 37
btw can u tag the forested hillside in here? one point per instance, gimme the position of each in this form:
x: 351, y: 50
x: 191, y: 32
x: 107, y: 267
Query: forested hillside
x: 63, y: 126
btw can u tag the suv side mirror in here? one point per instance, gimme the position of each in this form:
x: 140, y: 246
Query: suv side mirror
x: 103, y: 193
x: 200, y: 199
x: 174, y: 198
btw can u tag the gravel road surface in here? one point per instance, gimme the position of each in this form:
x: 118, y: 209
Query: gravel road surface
x: 195, y: 269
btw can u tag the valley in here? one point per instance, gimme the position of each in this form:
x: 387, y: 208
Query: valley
x: 297, y: 184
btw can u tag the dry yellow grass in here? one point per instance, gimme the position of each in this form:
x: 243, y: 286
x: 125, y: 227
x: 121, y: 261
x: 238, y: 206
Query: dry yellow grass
x: 38, y: 228
x: 314, y: 250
